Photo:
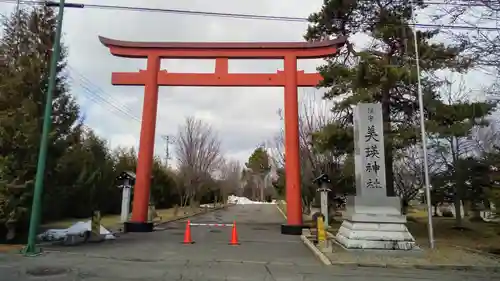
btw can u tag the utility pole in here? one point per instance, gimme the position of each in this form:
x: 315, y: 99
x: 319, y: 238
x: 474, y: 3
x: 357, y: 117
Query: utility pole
x: 264, y: 173
x: 18, y: 4
x: 18, y: 22
x: 36, y: 208
x: 430, y: 227
x: 168, y: 140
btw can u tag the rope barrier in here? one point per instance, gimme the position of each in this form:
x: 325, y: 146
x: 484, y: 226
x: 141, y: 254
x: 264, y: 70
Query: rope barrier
x: 212, y: 224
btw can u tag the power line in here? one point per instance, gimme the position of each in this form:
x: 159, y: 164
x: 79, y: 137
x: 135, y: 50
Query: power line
x: 248, y: 16
x: 94, y: 94
x: 468, y: 3
x: 98, y: 96
x: 98, y: 93
x: 99, y: 100
x: 172, y: 11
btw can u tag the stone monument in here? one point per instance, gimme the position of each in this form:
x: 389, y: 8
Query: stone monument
x: 372, y: 219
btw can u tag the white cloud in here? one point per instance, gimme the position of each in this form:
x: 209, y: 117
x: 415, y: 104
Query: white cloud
x: 244, y: 117
x: 123, y: 140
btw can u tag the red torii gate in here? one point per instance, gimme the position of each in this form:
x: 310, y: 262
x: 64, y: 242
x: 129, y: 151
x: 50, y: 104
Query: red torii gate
x: 290, y: 78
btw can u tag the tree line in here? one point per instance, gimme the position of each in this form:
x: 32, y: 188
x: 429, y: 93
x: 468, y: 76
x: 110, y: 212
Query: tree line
x: 462, y: 139
x: 463, y: 142
x: 81, y: 168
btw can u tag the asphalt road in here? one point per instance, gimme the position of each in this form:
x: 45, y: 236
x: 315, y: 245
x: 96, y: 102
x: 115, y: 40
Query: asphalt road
x: 264, y: 254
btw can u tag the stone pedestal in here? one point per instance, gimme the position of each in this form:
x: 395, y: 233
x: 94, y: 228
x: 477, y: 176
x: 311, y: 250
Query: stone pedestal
x: 373, y: 220
x: 375, y: 228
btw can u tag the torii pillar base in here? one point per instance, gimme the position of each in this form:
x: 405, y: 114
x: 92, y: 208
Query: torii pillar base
x: 288, y: 229
x: 138, y: 227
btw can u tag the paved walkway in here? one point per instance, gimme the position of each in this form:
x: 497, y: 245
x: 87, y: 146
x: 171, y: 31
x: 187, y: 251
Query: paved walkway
x: 264, y: 254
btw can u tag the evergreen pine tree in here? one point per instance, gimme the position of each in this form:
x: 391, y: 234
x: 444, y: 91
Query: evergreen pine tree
x: 384, y: 72
x: 25, y: 53
x: 450, y: 125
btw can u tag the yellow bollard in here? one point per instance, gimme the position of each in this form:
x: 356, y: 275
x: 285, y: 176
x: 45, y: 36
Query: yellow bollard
x: 321, y: 229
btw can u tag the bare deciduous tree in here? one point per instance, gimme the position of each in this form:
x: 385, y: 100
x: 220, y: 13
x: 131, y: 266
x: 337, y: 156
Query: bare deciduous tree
x: 409, y: 172
x: 486, y: 139
x: 451, y: 148
x: 198, y: 151
x: 314, y: 114
x: 483, y: 44
x: 230, y: 176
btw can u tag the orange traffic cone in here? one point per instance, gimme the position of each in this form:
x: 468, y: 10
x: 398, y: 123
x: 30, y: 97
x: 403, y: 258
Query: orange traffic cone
x: 234, y: 235
x: 187, y: 234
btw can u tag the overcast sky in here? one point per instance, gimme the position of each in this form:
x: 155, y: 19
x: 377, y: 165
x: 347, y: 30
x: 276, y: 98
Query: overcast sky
x: 244, y: 117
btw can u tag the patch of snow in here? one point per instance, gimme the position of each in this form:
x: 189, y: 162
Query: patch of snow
x: 78, y: 228
x: 212, y: 205
x: 245, y: 201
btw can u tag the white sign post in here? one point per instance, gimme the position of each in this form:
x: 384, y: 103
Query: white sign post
x: 373, y: 220
x: 324, y: 202
x: 126, y: 188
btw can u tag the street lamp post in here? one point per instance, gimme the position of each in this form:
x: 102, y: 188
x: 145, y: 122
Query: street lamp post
x: 36, y: 208
x: 323, y: 181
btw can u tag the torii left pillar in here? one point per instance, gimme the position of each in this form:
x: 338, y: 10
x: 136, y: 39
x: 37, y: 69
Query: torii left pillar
x: 152, y: 78
x: 140, y: 206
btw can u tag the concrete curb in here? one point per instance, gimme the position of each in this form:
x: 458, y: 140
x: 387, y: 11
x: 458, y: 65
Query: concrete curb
x: 119, y: 229
x: 422, y: 266
x: 192, y: 215
x: 281, y: 211
x: 322, y: 257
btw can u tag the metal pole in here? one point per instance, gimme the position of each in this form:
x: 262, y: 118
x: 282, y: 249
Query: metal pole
x: 167, y: 140
x: 36, y: 208
x: 18, y: 4
x: 18, y: 21
x: 423, y: 135
x: 167, y: 152
x: 262, y: 183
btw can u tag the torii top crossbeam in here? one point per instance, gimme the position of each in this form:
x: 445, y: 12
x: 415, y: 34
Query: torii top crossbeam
x: 233, y: 50
x: 221, y: 52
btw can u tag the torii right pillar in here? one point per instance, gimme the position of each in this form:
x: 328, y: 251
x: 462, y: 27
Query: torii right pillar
x: 292, y: 161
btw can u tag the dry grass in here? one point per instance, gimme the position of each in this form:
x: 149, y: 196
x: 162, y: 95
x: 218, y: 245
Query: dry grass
x: 467, y: 246
x: 444, y: 255
x: 112, y: 221
x: 474, y: 235
x: 8, y: 248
